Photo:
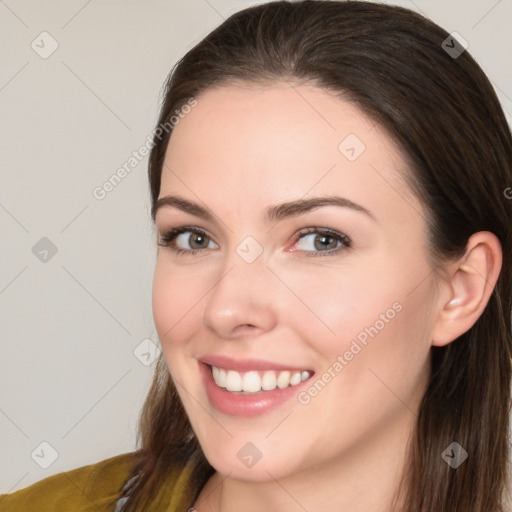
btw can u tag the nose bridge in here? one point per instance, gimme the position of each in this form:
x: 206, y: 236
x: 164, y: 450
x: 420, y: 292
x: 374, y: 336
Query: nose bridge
x: 242, y: 294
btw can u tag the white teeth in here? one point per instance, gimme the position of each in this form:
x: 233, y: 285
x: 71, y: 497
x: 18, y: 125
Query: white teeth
x: 221, y: 378
x: 253, y: 381
x: 269, y: 381
x: 233, y: 381
x: 283, y: 380
x: 295, y: 379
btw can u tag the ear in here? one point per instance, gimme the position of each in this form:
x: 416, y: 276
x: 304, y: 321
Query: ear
x: 468, y: 287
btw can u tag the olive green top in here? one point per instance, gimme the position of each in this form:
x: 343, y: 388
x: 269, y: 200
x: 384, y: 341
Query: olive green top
x: 94, y: 488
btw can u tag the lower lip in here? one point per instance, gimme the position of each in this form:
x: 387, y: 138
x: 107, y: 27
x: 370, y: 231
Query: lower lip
x: 235, y: 404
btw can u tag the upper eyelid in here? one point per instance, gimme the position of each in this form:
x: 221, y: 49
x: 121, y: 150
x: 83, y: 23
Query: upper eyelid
x: 296, y: 216
x: 180, y: 230
x: 303, y: 232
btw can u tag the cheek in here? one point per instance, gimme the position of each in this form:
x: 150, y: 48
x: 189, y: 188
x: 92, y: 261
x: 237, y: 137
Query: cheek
x: 177, y: 304
x: 384, y: 344
x: 336, y: 304
x: 374, y: 316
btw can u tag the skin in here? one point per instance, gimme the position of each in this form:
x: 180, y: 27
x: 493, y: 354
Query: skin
x: 241, y: 149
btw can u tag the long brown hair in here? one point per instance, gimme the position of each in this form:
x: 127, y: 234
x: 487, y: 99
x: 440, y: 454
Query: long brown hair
x: 442, y: 111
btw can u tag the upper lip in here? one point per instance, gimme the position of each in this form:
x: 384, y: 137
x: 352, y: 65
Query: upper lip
x: 245, y: 365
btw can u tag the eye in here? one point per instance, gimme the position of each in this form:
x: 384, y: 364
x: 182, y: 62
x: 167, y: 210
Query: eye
x: 316, y: 238
x: 322, y: 238
x: 183, y: 235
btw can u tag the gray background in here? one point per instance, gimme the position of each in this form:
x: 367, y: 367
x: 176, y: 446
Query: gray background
x: 71, y: 321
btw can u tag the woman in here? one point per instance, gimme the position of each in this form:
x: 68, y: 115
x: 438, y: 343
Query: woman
x: 332, y: 289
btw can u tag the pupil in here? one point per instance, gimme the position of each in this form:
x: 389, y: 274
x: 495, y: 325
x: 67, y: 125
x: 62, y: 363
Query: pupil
x: 324, y: 238
x: 196, y: 236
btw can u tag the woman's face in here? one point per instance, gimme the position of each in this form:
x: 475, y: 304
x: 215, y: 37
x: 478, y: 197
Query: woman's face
x: 322, y: 314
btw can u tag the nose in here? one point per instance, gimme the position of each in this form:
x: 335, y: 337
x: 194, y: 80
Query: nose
x: 242, y: 301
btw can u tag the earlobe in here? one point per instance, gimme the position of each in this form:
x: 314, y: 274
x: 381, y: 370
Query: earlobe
x: 470, y: 285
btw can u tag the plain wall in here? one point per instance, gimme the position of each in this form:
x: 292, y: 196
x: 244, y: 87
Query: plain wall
x: 71, y: 321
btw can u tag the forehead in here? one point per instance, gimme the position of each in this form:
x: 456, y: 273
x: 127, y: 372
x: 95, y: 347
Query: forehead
x: 248, y: 144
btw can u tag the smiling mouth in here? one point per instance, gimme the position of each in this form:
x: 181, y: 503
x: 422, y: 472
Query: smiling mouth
x: 256, y: 381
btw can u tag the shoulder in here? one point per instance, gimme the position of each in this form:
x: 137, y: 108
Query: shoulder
x: 94, y: 487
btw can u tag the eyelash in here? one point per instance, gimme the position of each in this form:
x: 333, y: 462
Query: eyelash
x: 167, y: 238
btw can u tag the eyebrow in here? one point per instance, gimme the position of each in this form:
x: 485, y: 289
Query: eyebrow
x: 273, y: 213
